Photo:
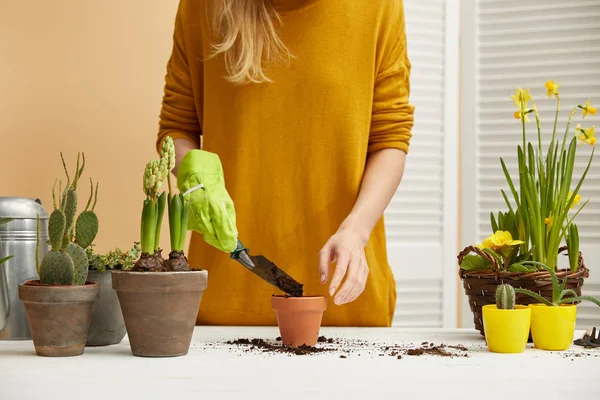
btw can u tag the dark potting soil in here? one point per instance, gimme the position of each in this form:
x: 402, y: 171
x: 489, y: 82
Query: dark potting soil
x: 264, y: 346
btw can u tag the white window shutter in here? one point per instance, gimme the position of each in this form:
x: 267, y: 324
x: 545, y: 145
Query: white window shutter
x: 524, y: 44
x: 415, y: 219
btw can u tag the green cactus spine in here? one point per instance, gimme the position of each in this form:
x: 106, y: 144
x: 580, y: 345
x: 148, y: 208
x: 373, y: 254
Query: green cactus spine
x: 80, y: 263
x: 56, y: 228
x: 505, y: 297
x: 57, y: 268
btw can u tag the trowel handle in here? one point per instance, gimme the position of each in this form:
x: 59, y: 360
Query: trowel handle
x: 235, y: 254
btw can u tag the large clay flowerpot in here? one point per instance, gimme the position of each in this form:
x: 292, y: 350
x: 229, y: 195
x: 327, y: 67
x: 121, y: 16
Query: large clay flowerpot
x: 553, y: 327
x: 160, y: 309
x: 299, y: 318
x: 108, y: 326
x: 59, y: 316
x: 506, y: 331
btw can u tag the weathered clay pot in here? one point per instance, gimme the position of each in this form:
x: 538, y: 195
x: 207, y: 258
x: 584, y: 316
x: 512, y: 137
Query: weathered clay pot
x: 160, y: 309
x: 59, y: 316
x: 108, y: 326
x: 299, y: 318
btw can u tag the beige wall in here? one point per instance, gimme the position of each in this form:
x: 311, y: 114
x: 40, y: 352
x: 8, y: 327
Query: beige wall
x: 83, y: 75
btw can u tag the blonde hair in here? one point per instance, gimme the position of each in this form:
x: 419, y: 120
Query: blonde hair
x: 246, y: 34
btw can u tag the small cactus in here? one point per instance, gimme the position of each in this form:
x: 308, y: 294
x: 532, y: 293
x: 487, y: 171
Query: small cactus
x: 80, y: 263
x: 56, y: 228
x: 67, y: 262
x: 57, y: 268
x: 505, y: 297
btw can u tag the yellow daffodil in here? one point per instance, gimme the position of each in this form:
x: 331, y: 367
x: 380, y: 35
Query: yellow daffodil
x: 587, y: 135
x: 552, y: 88
x: 587, y: 109
x: 517, y: 114
x: 521, y: 96
x: 576, y: 200
x: 548, y: 221
x: 503, y: 238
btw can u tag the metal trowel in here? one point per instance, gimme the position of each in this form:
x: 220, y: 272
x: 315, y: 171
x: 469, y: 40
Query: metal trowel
x: 267, y: 270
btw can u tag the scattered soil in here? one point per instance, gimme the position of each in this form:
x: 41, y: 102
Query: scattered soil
x: 266, y: 347
x: 348, y: 346
x: 177, y: 262
x: 150, y: 262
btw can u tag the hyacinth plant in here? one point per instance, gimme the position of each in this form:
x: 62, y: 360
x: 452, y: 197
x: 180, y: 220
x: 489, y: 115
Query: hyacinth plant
x: 533, y: 230
x: 156, y: 172
x: 179, y: 211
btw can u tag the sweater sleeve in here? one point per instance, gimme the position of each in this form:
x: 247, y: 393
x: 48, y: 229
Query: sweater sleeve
x: 178, y: 115
x: 392, y: 115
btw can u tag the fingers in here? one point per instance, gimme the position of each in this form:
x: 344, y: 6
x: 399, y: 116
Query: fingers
x: 342, y: 260
x: 355, y: 281
x: 324, y: 262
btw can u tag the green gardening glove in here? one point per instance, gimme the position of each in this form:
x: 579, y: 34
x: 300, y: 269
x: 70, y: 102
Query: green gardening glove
x: 212, y: 214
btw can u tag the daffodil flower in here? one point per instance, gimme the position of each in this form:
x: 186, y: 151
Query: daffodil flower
x: 576, y: 200
x: 552, y: 88
x: 517, y: 114
x: 587, y: 135
x: 521, y: 96
x: 502, y: 239
x: 548, y: 221
x: 587, y: 109
x: 486, y: 244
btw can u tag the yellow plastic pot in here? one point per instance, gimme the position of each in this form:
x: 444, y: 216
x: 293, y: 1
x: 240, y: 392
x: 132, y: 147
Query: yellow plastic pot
x: 506, y: 331
x: 553, y: 327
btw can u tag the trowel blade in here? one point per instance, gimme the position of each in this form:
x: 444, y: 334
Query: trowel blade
x: 269, y: 272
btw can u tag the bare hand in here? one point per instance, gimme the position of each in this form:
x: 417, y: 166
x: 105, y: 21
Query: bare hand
x: 346, y: 249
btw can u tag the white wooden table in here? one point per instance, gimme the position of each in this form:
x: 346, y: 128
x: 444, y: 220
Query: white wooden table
x: 215, y: 370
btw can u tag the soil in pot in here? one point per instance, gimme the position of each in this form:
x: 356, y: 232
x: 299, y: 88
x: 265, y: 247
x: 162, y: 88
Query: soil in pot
x: 553, y: 327
x: 160, y: 309
x: 506, y: 331
x: 59, y: 316
x: 299, y: 318
x: 107, y: 327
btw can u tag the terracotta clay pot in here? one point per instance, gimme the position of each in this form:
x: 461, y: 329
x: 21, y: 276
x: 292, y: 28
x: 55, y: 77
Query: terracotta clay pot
x: 160, y: 309
x: 108, y: 326
x: 59, y: 316
x: 299, y: 318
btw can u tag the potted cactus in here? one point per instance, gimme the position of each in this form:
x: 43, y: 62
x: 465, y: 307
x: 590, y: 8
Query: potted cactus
x: 506, y: 324
x: 59, y: 304
x: 553, y: 321
x: 160, y: 298
x: 108, y: 327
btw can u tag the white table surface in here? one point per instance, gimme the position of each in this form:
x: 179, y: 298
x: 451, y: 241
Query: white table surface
x: 215, y: 370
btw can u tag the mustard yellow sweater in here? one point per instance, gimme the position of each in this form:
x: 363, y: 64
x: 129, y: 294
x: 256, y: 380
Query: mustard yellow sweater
x: 294, y: 151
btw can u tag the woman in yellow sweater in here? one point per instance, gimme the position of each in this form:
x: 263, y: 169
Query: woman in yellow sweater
x: 307, y: 104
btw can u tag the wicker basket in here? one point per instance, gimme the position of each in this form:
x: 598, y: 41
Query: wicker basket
x: 480, y: 286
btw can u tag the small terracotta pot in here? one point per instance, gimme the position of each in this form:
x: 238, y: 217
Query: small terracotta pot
x: 160, y: 309
x: 107, y: 327
x: 59, y: 316
x: 299, y: 318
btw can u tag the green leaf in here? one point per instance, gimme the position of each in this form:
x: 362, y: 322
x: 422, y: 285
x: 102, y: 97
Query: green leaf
x: 520, y: 267
x: 493, y: 222
x: 580, y: 298
x: 475, y: 263
x: 536, y: 296
x: 5, y: 259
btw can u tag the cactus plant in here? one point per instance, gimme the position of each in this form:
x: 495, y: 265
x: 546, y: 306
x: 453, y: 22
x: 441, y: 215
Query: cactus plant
x: 505, y: 297
x: 66, y: 263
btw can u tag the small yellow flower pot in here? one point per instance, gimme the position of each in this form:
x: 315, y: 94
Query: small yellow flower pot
x: 553, y: 327
x: 506, y: 331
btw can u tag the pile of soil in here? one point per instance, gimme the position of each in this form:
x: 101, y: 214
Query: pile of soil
x: 266, y: 347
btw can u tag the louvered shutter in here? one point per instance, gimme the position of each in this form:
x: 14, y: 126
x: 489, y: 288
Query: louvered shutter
x: 524, y: 44
x: 415, y: 219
